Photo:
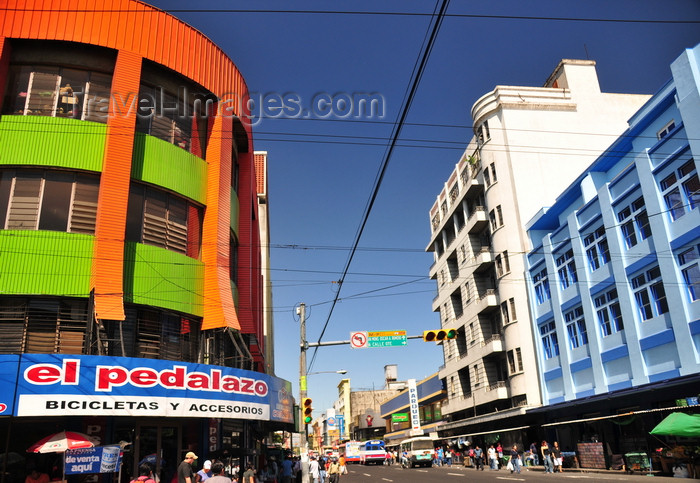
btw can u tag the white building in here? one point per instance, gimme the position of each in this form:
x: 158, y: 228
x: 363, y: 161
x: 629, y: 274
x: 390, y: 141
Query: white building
x: 529, y: 143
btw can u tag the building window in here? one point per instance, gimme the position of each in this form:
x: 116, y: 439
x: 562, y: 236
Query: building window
x: 634, y: 222
x: 48, y: 200
x: 504, y: 313
x: 609, y: 314
x: 649, y: 293
x: 566, y: 267
x: 467, y: 293
x: 550, y: 342
x: 576, y: 327
x: 483, y: 133
x: 688, y: 264
x: 513, y: 313
x: 506, y: 263
x: 681, y: 190
x: 493, y: 172
x: 161, y: 219
x: 487, y: 178
x: 541, y: 282
x: 666, y: 130
x: 500, y: 215
x: 43, y: 90
x: 515, y: 361
x: 499, y: 266
x: 492, y: 219
x: 597, y: 251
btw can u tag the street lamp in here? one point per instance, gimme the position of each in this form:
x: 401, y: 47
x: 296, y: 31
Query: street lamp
x: 342, y: 371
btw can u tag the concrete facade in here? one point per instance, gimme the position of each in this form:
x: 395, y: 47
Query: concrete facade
x: 629, y: 323
x: 528, y: 143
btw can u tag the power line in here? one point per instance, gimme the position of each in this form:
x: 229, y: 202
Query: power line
x: 418, y: 70
x: 360, y: 13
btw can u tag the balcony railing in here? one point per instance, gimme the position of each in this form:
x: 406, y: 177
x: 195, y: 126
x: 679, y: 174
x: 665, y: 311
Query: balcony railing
x: 493, y: 338
x: 496, y: 385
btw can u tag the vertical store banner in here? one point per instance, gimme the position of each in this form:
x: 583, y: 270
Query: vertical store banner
x: 413, y: 404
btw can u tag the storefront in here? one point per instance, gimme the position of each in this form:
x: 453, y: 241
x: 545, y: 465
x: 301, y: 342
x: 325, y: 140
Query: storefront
x: 156, y: 409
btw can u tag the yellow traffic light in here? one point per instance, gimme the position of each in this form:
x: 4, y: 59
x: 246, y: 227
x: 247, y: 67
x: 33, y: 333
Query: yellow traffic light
x: 439, y: 335
x: 306, y: 410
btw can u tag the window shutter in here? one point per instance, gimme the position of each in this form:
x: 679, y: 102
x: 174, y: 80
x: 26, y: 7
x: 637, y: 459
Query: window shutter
x: 12, y: 315
x: 155, y: 219
x: 42, y: 93
x: 84, y: 207
x: 24, y: 203
x: 177, y: 225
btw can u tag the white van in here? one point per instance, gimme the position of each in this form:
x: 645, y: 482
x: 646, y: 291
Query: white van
x: 420, y: 451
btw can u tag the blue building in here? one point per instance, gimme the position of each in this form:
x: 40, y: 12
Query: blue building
x: 614, y: 277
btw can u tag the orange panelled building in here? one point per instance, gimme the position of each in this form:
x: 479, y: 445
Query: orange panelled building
x: 130, y: 199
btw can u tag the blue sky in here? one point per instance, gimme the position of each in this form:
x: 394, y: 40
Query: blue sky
x: 321, y: 170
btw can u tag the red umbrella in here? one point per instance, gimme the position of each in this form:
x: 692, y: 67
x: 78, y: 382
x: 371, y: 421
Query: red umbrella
x: 60, y: 442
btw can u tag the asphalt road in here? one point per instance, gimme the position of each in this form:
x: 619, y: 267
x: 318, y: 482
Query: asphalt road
x: 457, y: 474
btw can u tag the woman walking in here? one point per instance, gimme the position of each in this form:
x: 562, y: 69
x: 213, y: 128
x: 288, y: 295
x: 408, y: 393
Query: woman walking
x: 556, y: 458
x: 546, y: 457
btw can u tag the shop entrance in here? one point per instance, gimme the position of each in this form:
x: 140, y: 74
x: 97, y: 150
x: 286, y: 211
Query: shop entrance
x: 157, y: 444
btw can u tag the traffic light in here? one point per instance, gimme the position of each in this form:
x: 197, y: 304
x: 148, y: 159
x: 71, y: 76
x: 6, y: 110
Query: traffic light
x: 439, y: 335
x: 306, y: 410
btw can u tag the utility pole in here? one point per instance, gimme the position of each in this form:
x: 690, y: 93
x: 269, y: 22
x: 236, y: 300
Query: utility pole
x: 301, y: 311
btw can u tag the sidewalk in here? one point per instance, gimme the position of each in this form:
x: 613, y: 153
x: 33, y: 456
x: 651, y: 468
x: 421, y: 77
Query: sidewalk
x: 540, y: 469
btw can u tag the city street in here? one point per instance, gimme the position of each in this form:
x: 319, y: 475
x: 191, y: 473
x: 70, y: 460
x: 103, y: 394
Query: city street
x: 454, y: 474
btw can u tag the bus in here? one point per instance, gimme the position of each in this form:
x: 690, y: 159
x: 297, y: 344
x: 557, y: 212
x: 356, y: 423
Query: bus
x: 420, y: 451
x: 372, y: 451
x: 351, y: 451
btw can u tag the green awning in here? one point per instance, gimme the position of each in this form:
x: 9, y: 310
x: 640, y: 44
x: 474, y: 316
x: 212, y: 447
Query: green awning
x: 679, y: 424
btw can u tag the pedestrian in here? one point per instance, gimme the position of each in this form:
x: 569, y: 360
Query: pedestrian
x: 499, y: 450
x: 515, y: 459
x: 145, y: 474
x: 546, y: 457
x: 343, y: 465
x: 534, y: 456
x: 36, y: 476
x: 185, y: 473
x: 440, y: 456
x: 287, y: 470
x: 204, y: 474
x: 314, y: 471
x: 296, y: 469
x: 322, y: 462
x: 478, y: 458
x: 556, y: 457
x: 493, y: 458
x: 448, y: 457
x: 333, y: 471
x: 218, y: 475
x: 249, y: 474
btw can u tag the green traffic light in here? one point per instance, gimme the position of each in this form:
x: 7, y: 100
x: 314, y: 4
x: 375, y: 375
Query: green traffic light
x: 451, y: 334
x: 307, y: 419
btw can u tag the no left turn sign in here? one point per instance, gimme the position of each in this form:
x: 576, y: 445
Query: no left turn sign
x: 358, y: 340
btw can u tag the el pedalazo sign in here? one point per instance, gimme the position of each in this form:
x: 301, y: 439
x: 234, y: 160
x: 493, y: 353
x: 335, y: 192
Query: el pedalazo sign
x: 118, y: 386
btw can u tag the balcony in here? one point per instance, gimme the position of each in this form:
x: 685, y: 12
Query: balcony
x: 491, y: 345
x: 473, y: 188
x: 487, y: 301
x: 478, y: 220
x: 497, y: 390
x: 483, y: 260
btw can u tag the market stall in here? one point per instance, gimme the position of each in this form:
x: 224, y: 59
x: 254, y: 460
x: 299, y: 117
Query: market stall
x: 681, y: 460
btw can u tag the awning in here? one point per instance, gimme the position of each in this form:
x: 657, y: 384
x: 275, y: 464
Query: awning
x: 505, y: 430
x: 600, y: 418
x: 679, y: 424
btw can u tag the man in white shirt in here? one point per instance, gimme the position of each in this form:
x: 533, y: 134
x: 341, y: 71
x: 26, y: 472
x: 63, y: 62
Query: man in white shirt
x: 314, y: 470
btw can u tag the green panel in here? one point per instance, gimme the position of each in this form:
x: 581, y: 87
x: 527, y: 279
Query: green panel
x: 52, y: 141
x: 163, y: 164
x: 45, y: 263
x: 235, y: 209
x: 163, y: 278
